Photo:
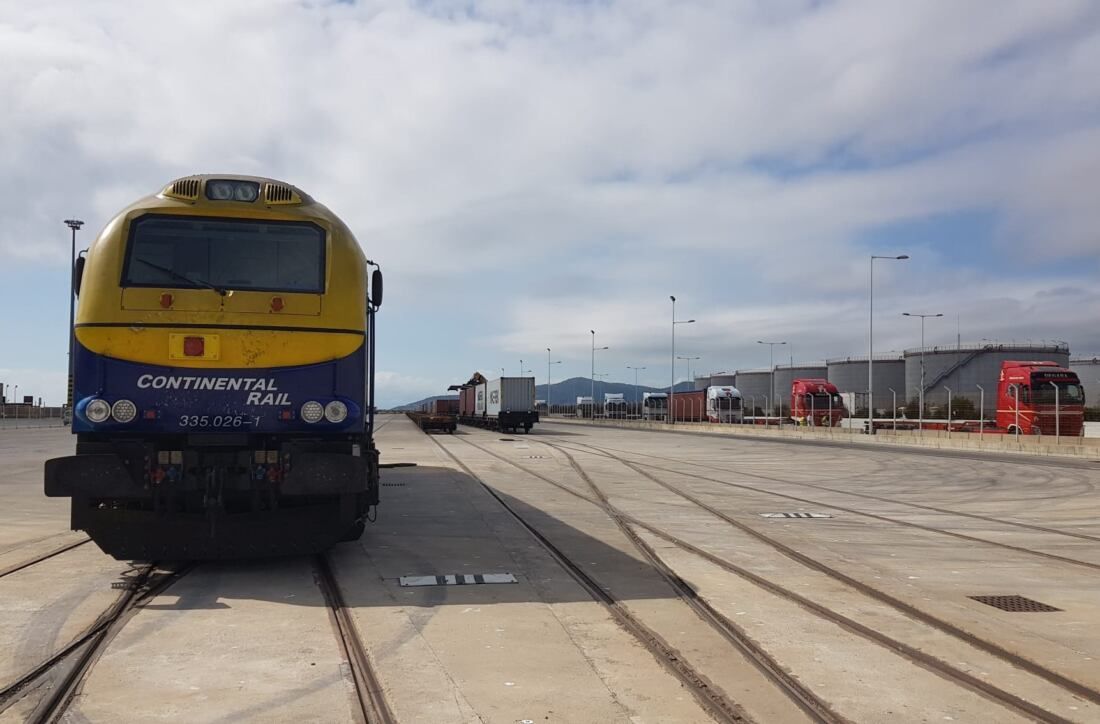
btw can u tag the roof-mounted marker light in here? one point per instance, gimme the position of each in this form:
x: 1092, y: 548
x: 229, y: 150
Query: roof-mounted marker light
x: 230, y: 190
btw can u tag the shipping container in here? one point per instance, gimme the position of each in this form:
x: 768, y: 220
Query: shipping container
x: 479, y: 399
x: 444, y: 407
x: 466, y: 397
x: 510, y: 394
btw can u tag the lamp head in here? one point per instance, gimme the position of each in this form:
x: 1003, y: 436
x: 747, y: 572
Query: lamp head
x: 902, y: 256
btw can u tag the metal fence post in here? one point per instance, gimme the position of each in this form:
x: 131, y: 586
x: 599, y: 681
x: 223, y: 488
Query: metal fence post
x: 1057, y: 414
x: 948, y: 410
x: 981, y: 411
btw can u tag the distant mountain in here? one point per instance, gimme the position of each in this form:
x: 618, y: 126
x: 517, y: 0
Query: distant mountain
x: 567, y: 391
x: 416, y: 405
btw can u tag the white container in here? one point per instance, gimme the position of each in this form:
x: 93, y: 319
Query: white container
x: 479, y: 401
x: 510, y: 394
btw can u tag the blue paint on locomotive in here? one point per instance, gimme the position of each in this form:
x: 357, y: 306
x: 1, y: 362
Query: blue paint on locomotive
x: 172, y: 400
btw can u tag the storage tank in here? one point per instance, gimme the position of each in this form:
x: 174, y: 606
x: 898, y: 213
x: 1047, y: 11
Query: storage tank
x: 964, y: 367
x: 754, y: 383
x: 849, y: 374
x: 1089, y: 372
x: 715, y: 379
x: 786, y: 374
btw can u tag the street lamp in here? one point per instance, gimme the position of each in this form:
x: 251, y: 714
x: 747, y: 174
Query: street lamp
x: 74, y: 225
x: 548, y: 363
x: 672, y: 385
x: 522, y: 370
x: 594, y: 348
x: 689, y: 359
x: 871, y: 344
x: 637, y: 398
x: 920, y: 423
x: 771, y: 357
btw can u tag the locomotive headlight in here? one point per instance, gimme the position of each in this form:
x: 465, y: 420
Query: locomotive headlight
x: 98, y: 410
x: 336, y: 411
x: 123, y: 411
x: 312, y: 411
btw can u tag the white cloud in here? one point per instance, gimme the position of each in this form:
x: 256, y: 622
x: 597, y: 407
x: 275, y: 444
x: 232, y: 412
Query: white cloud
x: 504, y: 156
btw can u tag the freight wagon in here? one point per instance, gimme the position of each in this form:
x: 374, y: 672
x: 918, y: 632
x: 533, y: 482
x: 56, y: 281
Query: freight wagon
x: 506, y: 404
x: 441, y: 415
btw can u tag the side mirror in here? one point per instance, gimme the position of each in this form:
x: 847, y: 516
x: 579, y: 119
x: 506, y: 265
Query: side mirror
x: 78, y: 272
x: 376, y: 288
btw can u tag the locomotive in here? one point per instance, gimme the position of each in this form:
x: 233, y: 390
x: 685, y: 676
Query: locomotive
x: 223, y: 376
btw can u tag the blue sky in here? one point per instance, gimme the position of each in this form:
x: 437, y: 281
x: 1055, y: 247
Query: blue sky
x: 528, y: 171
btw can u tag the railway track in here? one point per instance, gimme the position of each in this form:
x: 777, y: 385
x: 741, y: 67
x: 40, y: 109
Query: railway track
x: 611, y: 452
x: 920, y: 658
x: 372, y: 703
x: 867, y: 496
x: 42, y: 557
x: 61, y: 675
x: 721, y: 707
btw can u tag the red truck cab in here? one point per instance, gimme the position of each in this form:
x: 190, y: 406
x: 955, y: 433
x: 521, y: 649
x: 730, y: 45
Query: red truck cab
x: 816, y: 402
x: 1040, y: 398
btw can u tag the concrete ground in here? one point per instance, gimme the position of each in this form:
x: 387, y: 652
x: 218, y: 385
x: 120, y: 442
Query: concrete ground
x: 868, y: 608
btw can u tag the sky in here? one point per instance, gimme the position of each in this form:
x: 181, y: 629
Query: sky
x: 528, y: 171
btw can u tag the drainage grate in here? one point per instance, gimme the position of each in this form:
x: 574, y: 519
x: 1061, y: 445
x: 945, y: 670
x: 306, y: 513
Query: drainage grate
x: 393, y: 485
x: 1015, y: 604
x: 507, y: 439
x: 795, y: 515
x: 536, y: 457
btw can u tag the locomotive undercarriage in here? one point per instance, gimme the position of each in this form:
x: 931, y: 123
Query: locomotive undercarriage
x: 217, y: 495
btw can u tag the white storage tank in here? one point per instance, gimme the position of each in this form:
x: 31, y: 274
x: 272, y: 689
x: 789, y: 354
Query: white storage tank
x: 849, y: 374
x: 1088, y: 370
x: 755, y: 386
x: 964, y: 367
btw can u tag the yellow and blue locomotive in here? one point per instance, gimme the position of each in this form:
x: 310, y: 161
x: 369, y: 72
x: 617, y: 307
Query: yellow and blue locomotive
x: 223, y: 376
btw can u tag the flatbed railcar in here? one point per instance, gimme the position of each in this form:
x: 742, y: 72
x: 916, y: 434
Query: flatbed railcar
x: 223, y: 376
x: 428, y: 421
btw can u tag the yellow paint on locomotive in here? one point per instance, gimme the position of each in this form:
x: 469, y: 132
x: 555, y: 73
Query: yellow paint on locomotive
x: 246, y: 322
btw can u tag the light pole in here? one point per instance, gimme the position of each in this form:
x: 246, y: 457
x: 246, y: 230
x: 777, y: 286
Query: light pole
x: 637, y: 398
x: 672, y: 383
x: 871, y: 343
x: 771, y: 357
x: 594, y: 368
x: 74, y: 225
x: 689, y: 359
x: 522, y: 370
x: 548, y: 363
x: 920, y: 423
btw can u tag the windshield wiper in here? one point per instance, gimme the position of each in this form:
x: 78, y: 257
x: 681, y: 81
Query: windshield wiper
x: 177, y: 275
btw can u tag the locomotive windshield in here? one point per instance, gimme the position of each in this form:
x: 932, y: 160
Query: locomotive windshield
x: 221, y: 254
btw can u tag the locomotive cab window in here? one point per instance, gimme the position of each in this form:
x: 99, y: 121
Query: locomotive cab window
x: 225, y: 254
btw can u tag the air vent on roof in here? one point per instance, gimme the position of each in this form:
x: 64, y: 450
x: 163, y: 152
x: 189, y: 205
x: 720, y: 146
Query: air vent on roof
x: 184, y: 188
x: 280, y: 194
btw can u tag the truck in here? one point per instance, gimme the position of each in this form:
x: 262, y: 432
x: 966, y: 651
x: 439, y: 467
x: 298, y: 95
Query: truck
x: 1040, y: 397
x: 614, y: 405
x: 655, y: 406
x: 584, y: 407
x: 816, y: 402
x: 720, y: 404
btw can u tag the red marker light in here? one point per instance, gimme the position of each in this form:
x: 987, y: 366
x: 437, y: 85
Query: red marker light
x: 194, y: 346
x: 150, y: 414
x: 166, y: 300
x: 277, y: 304
x: 286, y: 415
